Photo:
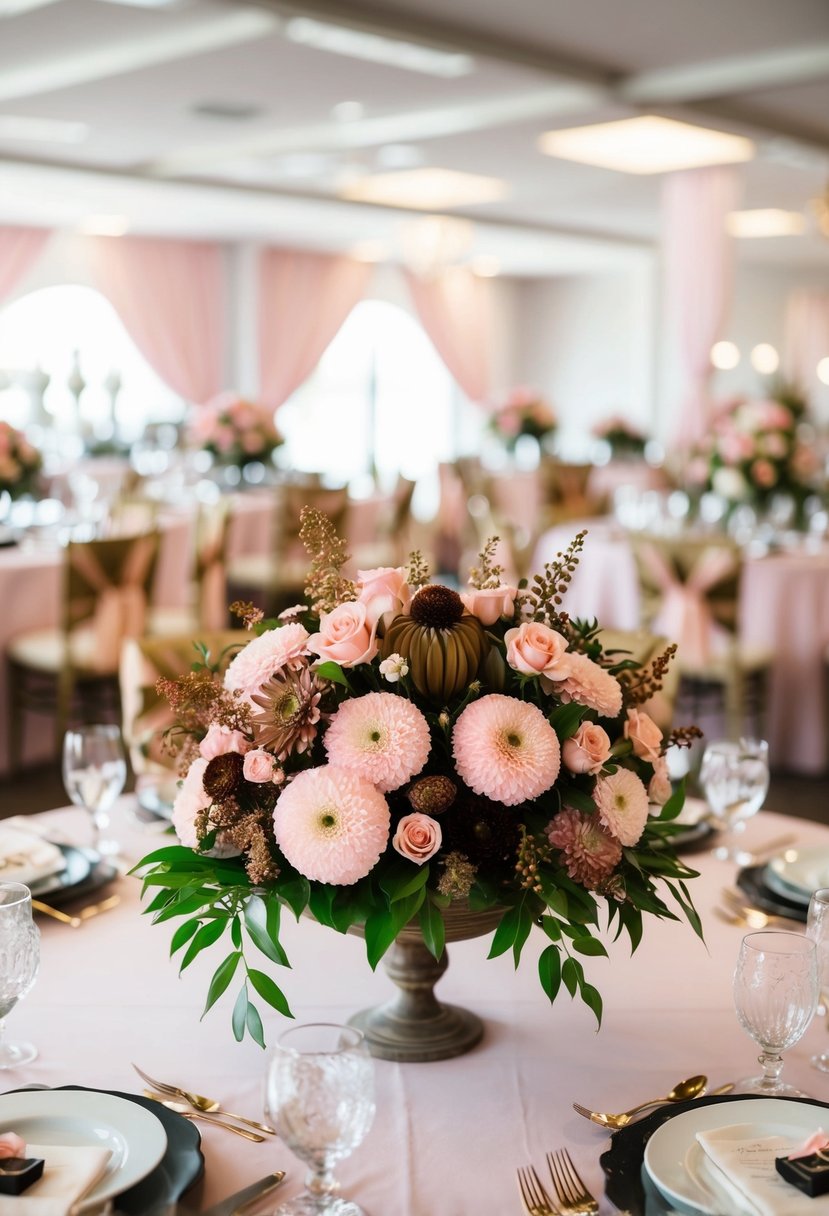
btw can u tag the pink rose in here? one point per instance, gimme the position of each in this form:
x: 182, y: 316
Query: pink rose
x: 384, y: 590
x: 12, y: 1145
x: 251, y: 443
x: 659, y: 787
x: 258, y: 766
x: 764, y: 473
x: 586, y: 750
x: 219, y: 740
x: 644, y: 734
x: 491, y: 604
x: 345, y: 636
x: 417, y: 837
x: 535, y: 649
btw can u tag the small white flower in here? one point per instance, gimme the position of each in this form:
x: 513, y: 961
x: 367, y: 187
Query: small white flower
x: 394, y: 667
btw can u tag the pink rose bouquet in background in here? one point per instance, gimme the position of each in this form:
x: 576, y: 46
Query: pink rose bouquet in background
x: 392, y: 747
x: 235, y: 431
x: 525, y: 412
x: 621, y: 436
x: 20, y: 462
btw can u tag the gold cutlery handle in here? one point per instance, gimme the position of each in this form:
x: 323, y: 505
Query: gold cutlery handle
x: 74, y: 922
x: 96, y: 909
x: 260, y: 1127
x: 228, y: 1127
x: 278, y: 1179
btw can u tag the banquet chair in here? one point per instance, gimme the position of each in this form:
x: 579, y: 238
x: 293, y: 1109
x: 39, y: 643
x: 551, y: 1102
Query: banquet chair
x: 208, y: 606
x: 690, y: 589
x: 565, y: 493
x: 73, y: 669
x: 145, y: 714
x: 391, y: 544
x: 276, y: 580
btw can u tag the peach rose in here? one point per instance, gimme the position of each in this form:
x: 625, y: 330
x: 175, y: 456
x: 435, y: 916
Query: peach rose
x: 418, y: 837
x: 586, y: 750
x: 345, y: 636
x: 644, y: 734
x: 535, y: 649
x: 659, y: 787
x: 384, y: 590
x: 219, y: 739
x: 258, y: 766
x: 491, y: 604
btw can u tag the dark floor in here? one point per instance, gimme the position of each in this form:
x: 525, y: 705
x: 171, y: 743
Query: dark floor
x: 41, y: 789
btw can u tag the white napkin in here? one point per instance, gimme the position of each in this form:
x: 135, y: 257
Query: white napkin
x: 743, y: 1166
x: 25, y: 856
x: 70, y: 1173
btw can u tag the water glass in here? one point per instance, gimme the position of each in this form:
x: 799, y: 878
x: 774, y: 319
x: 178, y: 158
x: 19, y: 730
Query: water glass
x: 19, y: 961
x: 735, y: 780
x: 775, y: 995
x: 817, y: 928
x: 320, y: 1097
x: 94, y: 774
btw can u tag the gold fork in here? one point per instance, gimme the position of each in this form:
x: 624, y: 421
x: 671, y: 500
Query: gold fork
x: 533, y: 1196
x: 199, y: 1102
x: 181, y: 1109
x: 573, y: 1196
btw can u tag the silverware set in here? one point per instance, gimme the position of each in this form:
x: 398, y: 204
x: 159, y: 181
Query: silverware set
x: 737, y: 910
x: 572, y: 1196
x: 79, y: 919
x: 198, y: 1106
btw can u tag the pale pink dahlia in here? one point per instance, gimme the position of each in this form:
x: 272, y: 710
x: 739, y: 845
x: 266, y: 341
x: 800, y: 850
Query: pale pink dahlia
x: 505, y: 749
x: 264, y: 656
x: 591, y: 685
x: 381, y: 737
x: 622, y: 802
x: 589, y: 853
x: 330, y: 825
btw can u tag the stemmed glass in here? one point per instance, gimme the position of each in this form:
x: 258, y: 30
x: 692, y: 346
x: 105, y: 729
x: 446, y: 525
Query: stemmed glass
x: 320, y: 1097
x: 19, y: 961
x: 775, y: 995
x: 94, y: 773
x: 817, y: 928
x: 735, y: 779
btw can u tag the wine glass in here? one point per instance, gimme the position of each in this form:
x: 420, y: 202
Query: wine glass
x: 19, y: 960
x: 320, y: 1097
x: 735, y: 779
x: 94, y: 773
x: 775, y: 995
x: 817, y: 928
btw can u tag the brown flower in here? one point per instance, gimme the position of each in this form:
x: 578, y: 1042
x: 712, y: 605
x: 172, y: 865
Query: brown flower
x: 223, y: 776
x: 286, y: 712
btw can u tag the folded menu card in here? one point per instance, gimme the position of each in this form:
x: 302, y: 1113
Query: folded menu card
x: 70, y: 1173
x: 25, y: 857
x: 743, y: 1166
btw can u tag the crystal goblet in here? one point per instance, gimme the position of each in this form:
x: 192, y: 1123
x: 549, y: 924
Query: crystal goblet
x: 19, y: 961
x: 320, y: 1097
x: 735, y: 779
x: 817, y: 928
x: 94, y: 774
x: 775, y: 995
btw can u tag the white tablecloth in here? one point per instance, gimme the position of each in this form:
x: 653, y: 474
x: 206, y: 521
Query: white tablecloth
x: 448, y: 1136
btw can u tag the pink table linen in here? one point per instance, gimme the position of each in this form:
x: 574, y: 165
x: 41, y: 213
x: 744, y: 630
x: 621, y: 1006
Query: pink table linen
x: 448, y: 1136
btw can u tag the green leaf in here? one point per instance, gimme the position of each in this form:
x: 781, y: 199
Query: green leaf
x: 566, y: 718
x: 571, y: 973
x: 593, y: 999
x: 557, y: 901
x: 182, y: 935
x: 382, y: 926
x: 257, y: 916
x: 551, y: 927
x: 183, y: 907
x: 333, y: 672
x: 433, y: 929
x: 240, y: 1013
x: 549, y: 971
x: 269, y: 991
x: 589, y: 946
x: 402, y: 878
x: 320, y: 900
x: 674, y: 804
x: 236, y: 932
x: 206, y: 936
x: 221, y: 978
x: 296, y: 893
x: 254, y: 1025
x: 514, y: 929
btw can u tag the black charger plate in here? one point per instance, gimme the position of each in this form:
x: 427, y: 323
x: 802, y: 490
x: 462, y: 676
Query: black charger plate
x: 751, y: 882
x: 627, y: 1183
x: 86, y: 871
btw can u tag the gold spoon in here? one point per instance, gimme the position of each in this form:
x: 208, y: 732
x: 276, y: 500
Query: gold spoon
x: 181, y: 1108
x: 693, y: 1087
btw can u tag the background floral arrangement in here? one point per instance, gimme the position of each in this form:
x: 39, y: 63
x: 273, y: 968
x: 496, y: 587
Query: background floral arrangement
x: 753, y: 452
x: 235, y: 431
x: 20, y: 462
x: 392, y: 746
x: 525, y: 412
x: 623, y: 438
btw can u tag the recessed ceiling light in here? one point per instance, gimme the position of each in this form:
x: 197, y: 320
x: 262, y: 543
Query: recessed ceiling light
x: 648, y: 144
x: 43, y: 130
x: 766, y: 221
x: 393, y: 52
x: 348, y: 111
x: 105, y: 225
x: 725, y: 355
x: 426, y: 189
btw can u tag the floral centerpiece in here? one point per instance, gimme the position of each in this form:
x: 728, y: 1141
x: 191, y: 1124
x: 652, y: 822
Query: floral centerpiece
x: 393, y: 748
x: 235, y: 431
x: 753, y: 453
x: 525, y: 412
x: 20, y: 462
x: 621, y: 436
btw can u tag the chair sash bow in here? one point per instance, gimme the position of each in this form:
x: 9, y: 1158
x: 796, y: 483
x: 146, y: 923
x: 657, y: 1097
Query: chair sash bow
x: 685, y: 615
x: 120, y: 608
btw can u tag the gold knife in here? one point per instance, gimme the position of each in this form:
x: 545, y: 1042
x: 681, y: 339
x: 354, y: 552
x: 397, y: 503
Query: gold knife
x: 238, y: 1204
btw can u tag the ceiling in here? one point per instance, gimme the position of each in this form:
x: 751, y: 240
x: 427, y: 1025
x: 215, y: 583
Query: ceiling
x: 204, y: 117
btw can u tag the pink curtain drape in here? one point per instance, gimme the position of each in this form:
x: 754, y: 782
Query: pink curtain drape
x: 698, y: 259
x: 806, y: 342
x: 304, y: 298
x: 455, y: 308
x: 170, y: 295
x: 19, y: 247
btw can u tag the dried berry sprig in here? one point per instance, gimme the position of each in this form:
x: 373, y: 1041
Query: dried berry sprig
x: 487, y: 576
x: 639, y: 684
x: 540, y: 601
x: 198, y: 700
x: 247, y: 613
x: 533, y: 851
x: 417, y: 570
x: 326, y: 586
x: 682, y: 736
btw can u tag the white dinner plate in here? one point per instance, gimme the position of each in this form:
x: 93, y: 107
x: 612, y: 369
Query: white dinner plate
x: 136, y: 1139
x: 676, y: 1163
x: 797, y: 873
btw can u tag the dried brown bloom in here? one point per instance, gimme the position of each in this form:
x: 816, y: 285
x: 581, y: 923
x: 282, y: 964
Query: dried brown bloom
x: 287, y: 714
x: 532, y: 852
x: 613, y: 888
x: 639, y: 685
x: 326, y: 586
x: 487, y: 575
x: 198, y: 699
x: 437, y: 606
x: 247, y: 613
x: 457, y: 877
x: 541, y: 599
x: 223, y: 776
x: 682, y: 736
x: 432, y: 795
x: 417, y: 570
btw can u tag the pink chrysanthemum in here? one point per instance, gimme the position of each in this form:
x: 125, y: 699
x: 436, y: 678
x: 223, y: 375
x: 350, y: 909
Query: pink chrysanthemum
x: 190, y: 803
x: 506, y: 749
x: 622, y: 802
x: 589, y: 853
x: 265, y: 655
x: 591, y: 685
x: 330, y: 825
x: 381, y: 737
